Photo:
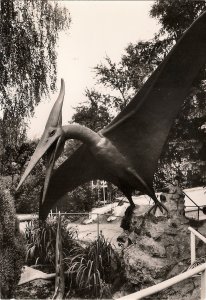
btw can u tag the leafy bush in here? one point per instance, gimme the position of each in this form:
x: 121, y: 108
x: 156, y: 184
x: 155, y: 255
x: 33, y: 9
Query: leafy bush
x: 12, y: 246
x: 28, y: 196
x: 26, y: 199
x: 79, y: 200
x: 91, y: 270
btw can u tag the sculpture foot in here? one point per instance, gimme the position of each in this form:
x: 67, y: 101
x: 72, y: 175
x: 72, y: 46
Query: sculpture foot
x: 159, y: 205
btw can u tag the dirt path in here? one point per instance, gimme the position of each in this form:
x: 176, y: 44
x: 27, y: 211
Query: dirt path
x: 89, y: 232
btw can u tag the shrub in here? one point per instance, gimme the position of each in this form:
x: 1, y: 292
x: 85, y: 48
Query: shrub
x: 12, y: 252
x: 28, y: 196
x: 81, y: 199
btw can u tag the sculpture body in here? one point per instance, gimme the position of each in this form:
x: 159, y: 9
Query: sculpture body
x: 126, y: 152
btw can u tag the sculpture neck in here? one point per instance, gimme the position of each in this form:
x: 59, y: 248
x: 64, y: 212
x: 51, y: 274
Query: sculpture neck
x: 81, y: 133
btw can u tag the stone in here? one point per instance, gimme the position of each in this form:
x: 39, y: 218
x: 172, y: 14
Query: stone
x: 142, y: 267
x: 152, y: 247
x: 157, y: 247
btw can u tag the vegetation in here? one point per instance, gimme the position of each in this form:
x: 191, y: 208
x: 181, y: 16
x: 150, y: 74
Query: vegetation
x: 12, y: 252
x: 94, y: 113
x: 41, y: 241
x: 185, y: 151
x: 27, y: 202
x: 81, y: 199
x: 29, y: 34
x: 16, y: 157
x: 92, y: 271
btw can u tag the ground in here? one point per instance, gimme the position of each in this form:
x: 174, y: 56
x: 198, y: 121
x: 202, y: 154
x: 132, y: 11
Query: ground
x: 110, y: 231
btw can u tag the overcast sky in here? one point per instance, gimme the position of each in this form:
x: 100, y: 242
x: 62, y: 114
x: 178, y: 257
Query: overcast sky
x: 98, y: 28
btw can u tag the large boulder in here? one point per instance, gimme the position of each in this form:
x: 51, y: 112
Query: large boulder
x: 157, y: 247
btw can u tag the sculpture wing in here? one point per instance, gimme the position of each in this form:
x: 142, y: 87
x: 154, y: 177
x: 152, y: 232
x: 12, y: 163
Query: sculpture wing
x: 141, y: 129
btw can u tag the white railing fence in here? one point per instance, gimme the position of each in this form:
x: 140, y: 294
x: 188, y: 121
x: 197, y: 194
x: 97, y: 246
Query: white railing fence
x: 172, y: 281
x: 193, y: 234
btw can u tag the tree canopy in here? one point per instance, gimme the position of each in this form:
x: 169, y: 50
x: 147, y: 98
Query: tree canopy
x: 29, y: 32
x: 94, y: 113
x: 176, y: 16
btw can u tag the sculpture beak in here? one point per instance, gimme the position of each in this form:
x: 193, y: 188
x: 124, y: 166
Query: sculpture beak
x: 50, y: 141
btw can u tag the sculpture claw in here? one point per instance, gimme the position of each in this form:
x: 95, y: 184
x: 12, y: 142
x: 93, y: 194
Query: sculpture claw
x: 159, y: 205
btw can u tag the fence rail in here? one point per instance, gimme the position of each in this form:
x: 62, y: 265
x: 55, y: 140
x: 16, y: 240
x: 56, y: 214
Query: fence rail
x: 197, y: 207
x: 170, y: 282
x: 193, y: 234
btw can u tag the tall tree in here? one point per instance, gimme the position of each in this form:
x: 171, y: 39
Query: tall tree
x: 29, y: 32
x: 186, y: 146
x: 176, y: 16
x: 94, y: 112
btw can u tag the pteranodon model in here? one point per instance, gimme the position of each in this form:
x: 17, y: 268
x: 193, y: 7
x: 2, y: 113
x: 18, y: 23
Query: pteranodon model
x: 125, y: 152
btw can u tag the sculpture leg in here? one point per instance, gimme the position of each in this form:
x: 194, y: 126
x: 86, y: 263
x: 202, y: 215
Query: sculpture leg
x: 131, y: 201
x: 128, y: 193
x: 126, y: 221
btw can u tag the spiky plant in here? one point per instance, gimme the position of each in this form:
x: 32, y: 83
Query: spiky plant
x: 90, y: 270
x: 41, y: 239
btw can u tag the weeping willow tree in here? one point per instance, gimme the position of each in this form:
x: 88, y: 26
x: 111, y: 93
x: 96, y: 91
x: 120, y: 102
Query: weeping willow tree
x: 29, y: 32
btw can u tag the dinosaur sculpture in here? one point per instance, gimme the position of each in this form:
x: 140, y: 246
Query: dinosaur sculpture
x: 126, y: 151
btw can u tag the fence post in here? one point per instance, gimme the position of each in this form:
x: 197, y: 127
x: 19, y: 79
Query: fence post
x: 192, y: 247
x: 203, y: 285
x: 98, y: 226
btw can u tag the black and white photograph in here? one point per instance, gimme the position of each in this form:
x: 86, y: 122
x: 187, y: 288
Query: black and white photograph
x: 103, y: 149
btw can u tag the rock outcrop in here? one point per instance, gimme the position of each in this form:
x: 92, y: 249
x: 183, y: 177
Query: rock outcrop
x: 157, y: 247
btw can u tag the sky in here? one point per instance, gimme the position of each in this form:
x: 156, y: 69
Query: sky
x: 98, y: 29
